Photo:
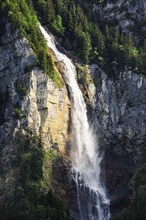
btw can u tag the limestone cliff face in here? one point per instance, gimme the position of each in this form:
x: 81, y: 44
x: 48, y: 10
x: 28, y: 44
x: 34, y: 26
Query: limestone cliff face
x: 48, y: 110
x: 29, y: 100
x: 43, y: 106
x: 121, y: 121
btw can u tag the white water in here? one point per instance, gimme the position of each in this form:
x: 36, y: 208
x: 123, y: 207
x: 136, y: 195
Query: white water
x: 93, y: 203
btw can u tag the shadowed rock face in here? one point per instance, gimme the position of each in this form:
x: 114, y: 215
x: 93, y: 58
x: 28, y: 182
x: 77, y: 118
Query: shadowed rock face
x: 120, y: 102
x: 120, y: 106
x: 121, y: 121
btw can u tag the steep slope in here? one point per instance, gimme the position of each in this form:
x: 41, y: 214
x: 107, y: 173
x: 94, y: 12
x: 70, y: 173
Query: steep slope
x: 121, y: 121
x: 107, y: 32
x: 129, y: 15
x: 35, y: 109
x: 34, y: 118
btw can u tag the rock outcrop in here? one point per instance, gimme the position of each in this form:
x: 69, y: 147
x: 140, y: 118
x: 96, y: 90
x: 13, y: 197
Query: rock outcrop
x: 29, y: 100
x: 43, y: 106
x: 121, y: 122
x: 129, y: 15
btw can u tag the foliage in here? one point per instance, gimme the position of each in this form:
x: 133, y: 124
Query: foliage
x: 17, y: 113
x: 23, y: 16
x: 86, y: 73
x: 57, y: 25
x: 137, y: 208
x: 21, y: 88
x: 88, y: 38
x: 83, y: 33
x: 33, y: 198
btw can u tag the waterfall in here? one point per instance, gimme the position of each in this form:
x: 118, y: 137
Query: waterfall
x: 92, y: 200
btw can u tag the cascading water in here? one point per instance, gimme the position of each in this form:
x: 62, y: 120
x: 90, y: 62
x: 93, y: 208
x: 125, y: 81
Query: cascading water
x: 93, y: 203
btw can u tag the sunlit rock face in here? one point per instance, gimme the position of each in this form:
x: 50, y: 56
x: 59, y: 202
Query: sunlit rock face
x: 30, y: 100
x: 121, y: 123
x: 49, y: 109
x: 44, y: 105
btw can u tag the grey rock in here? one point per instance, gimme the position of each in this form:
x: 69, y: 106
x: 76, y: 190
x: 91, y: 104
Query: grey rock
x: 120, y: 119
x: 127, y: 14
x: 33, y: 103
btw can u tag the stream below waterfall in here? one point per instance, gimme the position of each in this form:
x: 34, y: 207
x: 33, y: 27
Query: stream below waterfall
x: 92, y: 200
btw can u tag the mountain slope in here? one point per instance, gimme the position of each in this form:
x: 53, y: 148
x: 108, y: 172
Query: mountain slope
x: 35, y: 107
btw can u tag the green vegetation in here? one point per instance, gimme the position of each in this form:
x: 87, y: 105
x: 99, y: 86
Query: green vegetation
x: 23, y: 16
x: 33, y: 197
x: 21, y: 88
x: 88, y: 38
x: 57, y: 25
x: 83, y: 33
x: 86, y: 72
x: 137, y: 208
x: 18, y: 113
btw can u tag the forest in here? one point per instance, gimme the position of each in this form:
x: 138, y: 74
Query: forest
x: 82, y: 32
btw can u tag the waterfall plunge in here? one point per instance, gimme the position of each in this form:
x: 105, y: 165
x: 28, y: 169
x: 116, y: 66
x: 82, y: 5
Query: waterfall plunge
x: 91, y: 197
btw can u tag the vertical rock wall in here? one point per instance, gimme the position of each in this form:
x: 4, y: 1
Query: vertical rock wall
x: 121, y: 122
x: 29, y: 100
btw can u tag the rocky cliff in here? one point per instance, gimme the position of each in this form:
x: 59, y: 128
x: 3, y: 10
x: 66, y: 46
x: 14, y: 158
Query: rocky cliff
x: 121, y: 121
x: 30, y: 100
x: 129, y: 15
x: 43, y: 106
